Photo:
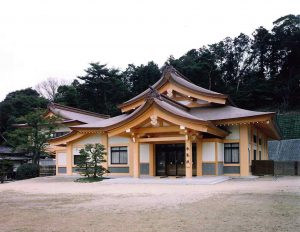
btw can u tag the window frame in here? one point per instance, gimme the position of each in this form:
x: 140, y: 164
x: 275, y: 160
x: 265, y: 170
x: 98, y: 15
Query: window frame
x: 118, y: 152
x: 75, y: 155
x: 231, y: 148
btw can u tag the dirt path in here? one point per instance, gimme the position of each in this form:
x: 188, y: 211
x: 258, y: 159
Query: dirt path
x: 60, y: 205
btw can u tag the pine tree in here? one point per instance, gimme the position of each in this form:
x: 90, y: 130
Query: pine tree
x: 91, y: 157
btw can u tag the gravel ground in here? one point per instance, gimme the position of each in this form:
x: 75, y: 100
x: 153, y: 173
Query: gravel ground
x: 59, y: 204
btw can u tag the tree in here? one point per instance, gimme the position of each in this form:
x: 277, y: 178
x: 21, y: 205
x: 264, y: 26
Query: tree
x: 140, y: 77
x: 48, y: 88
x: 102, y: 89
x: 90, y: 160
x: 32, y: 137
x: 17, y: 104
x: 68, y: 95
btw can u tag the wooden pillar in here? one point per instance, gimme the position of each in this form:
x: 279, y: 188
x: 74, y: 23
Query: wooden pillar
x: 216, y: 159
x: 199, y: 157
x: 69, y: 159
x: 244, y: 159
x: 131, y: 165
x: 56, y: 161
x: 151, y: 160
x: 252, y: 144
x: 105, y: 144
x: 188, y: 158
x: 267, y: 149
x: 136, y: 160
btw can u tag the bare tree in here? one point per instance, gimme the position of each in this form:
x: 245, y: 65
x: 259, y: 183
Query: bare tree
x: 48, y: 88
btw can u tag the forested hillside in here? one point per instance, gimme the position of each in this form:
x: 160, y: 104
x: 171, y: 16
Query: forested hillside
x: 260, y: 71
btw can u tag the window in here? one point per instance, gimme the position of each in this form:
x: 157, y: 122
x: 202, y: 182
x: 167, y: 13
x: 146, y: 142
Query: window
x: 118, y: 155
x: 254, y: 154
x: 254, y: 138
x: 76, y: 159
x: 259, y: 155
x: 231, y: 153
x: 259, y: 141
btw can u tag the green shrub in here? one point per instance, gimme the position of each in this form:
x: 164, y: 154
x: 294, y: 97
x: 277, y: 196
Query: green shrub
x: 26, y: 171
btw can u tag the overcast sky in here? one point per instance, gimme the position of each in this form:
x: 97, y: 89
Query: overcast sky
x: 41, y: 39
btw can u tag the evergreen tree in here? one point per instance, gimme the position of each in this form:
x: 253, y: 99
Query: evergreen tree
x: 90, y: 160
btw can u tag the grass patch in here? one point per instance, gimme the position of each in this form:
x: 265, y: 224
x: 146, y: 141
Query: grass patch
x: 90, y: 179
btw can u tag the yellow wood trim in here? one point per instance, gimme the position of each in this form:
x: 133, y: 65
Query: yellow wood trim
x: 252, y: 144
x: 118, y: 165
x: 161, y: 139
x: 199, y: 157
x: 231, y: 141
x: 136, y: 159
x: 70, y: 139
x: 118, y: 145
x: 197, y: 96
x: 244, y: 158
x: 131, y: 158
x: 69, y: 159
x: 151, y: 160
x: 149, y: 130
x: 216, y: 158
x: 160, y: 113
x: 132, y: 106
x: 213, y: 140
x: 246, y: 120
x: 232, y: 174
x: 235, y: 165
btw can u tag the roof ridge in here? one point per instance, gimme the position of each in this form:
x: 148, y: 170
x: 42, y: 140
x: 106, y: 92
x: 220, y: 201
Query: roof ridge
x: 155, y: 94
x: 76, y: 110
x: 171, y: 69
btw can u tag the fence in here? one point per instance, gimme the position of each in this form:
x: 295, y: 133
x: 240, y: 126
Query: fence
x: 270, y: 167
x: 49, y: 170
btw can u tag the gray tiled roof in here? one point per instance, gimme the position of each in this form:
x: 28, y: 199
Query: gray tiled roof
x: 224, y: 112
x: 71, y: 113
x: 284, y: 150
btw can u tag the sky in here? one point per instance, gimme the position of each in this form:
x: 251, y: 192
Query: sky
x: 59, y: 38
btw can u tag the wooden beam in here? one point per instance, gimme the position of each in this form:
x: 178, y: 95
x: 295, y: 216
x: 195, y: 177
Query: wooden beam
x: 150, y: 130
x: 161, y: 139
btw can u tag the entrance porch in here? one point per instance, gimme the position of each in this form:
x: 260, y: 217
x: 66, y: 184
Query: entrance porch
x: 182, y: 157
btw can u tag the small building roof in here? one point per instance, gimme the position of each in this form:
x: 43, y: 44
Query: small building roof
x: 8, y: 150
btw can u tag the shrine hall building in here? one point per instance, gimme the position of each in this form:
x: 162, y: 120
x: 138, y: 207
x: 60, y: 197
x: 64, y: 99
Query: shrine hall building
x: 174, y: 128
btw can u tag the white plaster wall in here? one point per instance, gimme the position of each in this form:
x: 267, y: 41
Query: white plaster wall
x: 118, y: 139
x: 76, y: 150
x: 220, y: 152
x: 208, y: 151
x: 89, y: 140
x: 235, y: 132
x: 61, y: 159
x: 144, y: 153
